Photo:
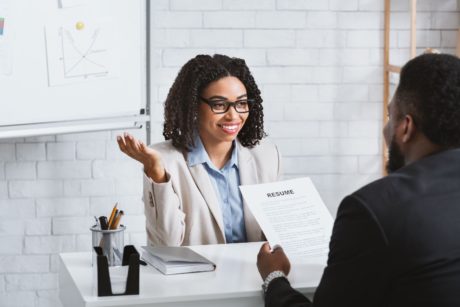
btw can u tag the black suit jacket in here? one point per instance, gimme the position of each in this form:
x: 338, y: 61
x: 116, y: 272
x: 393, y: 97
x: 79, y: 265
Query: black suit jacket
x: 395, y: 242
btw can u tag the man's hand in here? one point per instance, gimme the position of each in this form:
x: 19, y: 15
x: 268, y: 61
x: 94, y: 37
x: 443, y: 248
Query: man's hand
x: 268, y: 261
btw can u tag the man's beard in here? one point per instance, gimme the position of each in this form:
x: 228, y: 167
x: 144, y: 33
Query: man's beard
x: 395, y: 157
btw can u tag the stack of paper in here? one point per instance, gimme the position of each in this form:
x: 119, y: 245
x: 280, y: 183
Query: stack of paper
x: 176, y: 260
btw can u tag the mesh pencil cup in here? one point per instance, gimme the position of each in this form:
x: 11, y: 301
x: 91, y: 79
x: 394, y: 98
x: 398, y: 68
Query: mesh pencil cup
x: 111, y: 241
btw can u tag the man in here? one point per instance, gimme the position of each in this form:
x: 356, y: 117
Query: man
x: 396, y: 241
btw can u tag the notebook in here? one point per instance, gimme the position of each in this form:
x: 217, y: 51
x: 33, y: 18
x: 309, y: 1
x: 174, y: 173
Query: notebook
x: 176, y: 260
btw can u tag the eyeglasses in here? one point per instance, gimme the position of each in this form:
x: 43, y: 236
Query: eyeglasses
x: 222, y: 106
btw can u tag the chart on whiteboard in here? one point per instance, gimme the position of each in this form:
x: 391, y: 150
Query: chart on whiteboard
x: 80, y: 52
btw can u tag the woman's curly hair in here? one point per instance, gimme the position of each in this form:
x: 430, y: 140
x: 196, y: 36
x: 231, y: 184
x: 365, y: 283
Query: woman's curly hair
x: 181, y: 105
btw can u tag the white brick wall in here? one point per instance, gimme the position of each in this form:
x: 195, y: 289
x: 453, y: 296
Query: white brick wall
x: 11, y: 245
x: 38, y: 226
x: 30, y: 151
x: 259, y: 5
x: 235, y: 19
x: 35, y: 188
x: 60, y: 151
x: 18, y: 299
x: 7, y: 152
x: 48, y: 186
x: 20, y: 170
x: 24, y: 264
x: 195, y: 5
x: 318, y: 64
x: 50, y: 207
x: 16, y: 209
x: 308, y: 5
x: 90, y: 150
x: 31, y: 282
x: 12, y: 227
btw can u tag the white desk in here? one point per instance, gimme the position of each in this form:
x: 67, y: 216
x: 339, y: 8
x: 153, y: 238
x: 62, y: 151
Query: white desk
x: 235, y: 282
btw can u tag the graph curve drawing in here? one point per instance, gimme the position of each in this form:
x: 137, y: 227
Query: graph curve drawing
x: 80, y: 52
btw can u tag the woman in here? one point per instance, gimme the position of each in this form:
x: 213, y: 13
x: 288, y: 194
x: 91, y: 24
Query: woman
x: 214, y: 130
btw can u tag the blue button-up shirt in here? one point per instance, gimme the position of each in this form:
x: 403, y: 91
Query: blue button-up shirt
x: 225, y: 182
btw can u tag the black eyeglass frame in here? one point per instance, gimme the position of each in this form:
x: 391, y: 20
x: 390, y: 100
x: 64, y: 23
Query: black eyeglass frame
x: 227, y: 103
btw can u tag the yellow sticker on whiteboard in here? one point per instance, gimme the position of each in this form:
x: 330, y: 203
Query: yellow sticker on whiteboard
x: 80, y: 25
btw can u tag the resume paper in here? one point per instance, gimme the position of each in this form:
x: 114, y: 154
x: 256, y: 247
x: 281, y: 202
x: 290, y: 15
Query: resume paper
x: 292, y: 214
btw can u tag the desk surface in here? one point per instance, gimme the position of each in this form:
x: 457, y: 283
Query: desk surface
x: 235, y: 281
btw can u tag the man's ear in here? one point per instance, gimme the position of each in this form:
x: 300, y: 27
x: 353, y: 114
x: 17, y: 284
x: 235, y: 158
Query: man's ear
x: 408, y: 128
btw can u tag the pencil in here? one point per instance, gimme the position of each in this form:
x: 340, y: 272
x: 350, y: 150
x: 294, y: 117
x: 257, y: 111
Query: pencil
x: 113, y: 219
x: 117, y: 220
x: 112, y: 215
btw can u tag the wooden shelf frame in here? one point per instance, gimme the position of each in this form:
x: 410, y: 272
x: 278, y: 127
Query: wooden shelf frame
x: 389, y: 68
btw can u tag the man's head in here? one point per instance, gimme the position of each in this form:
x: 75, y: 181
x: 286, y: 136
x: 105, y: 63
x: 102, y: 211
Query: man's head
x: 424, y: 115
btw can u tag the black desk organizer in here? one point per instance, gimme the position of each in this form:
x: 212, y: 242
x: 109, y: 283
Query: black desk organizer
x: 130, y: 258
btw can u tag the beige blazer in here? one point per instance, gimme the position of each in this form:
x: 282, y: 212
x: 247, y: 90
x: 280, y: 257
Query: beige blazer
x: 185, y: 210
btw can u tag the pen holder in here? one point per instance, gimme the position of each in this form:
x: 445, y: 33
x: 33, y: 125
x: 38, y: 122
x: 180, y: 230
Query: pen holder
x: 111, y: 243
x: 130, y: 260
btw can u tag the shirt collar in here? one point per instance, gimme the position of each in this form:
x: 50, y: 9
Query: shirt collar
x: 198, y: 155
x: 234, y: 158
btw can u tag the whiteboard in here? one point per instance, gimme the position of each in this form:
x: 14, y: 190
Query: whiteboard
x: 71, y: 60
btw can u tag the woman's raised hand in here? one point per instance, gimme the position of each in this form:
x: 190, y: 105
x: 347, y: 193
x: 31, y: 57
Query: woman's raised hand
x: 136, y: 149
